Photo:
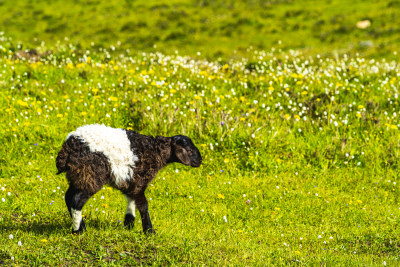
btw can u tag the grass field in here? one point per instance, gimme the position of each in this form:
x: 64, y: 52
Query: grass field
x: 215, y: 28
x: 300, y: 151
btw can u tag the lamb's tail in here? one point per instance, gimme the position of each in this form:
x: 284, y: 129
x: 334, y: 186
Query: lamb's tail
x: 62, y: 159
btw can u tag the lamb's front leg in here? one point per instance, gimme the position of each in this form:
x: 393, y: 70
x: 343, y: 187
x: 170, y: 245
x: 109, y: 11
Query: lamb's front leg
x: 130, y: 213
x: 141, y: 203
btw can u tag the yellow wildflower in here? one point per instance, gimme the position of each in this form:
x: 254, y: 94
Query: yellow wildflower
x: 22, y: 103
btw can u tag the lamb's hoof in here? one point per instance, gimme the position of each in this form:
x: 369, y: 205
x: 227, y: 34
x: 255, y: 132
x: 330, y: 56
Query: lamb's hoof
x: 149, y: 231
x: 82, y: 228
x: 129, y: 221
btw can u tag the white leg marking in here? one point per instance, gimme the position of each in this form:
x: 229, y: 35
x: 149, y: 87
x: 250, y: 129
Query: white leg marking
x: 76, y: 219
x: 131, y: 206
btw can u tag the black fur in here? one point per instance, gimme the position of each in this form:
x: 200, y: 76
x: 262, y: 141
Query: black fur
x: 129, y: 221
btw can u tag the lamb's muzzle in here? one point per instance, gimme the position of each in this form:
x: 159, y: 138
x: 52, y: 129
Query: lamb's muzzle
x: 95, y: 155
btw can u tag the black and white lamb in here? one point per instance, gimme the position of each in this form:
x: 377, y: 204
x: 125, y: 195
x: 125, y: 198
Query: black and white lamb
x: 95, y: 155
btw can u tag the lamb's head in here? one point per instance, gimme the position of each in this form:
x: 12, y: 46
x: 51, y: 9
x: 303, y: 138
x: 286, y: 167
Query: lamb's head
x: 184, y: 151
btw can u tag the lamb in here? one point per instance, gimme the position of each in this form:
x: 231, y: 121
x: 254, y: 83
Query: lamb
x: 95, y: 155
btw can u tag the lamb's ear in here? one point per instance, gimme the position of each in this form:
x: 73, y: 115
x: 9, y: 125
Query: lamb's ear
x: 182, y: 155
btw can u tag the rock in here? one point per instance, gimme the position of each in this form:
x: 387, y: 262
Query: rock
x: 363, y: 24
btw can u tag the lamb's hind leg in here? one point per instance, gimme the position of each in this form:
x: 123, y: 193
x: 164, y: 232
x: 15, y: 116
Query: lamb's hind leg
x: 129, y: 221
x: 75, y: 200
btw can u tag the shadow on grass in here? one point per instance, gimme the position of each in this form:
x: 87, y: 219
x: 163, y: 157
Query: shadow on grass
x: 41, y: 226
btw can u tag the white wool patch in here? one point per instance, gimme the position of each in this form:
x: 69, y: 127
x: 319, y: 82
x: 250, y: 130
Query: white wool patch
x: 131, y: 206
x: 114, y: 144
x: 76, y: 219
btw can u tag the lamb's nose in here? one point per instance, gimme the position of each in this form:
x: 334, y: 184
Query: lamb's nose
x: 197, y: 163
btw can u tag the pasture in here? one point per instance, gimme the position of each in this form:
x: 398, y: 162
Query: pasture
x: 300, y: 148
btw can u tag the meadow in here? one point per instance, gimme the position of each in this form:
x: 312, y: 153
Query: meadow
x: 215, y: 28
x: 300, y: 150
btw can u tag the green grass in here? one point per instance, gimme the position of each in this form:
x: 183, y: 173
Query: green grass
x: 215, y: 28
x: 300, y: 151
x: 309, y: 188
